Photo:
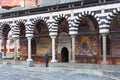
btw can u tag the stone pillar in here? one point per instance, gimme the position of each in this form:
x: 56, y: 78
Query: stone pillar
x: 30, y: 62
x: 73, y: 48
x: 15, y: 48
x: 104, y: 49
x: 29, y: 35
x: 53, y: 48
x: 8, y: 46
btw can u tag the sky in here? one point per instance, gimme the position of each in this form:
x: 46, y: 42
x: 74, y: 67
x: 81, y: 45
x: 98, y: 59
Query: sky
x: 16, y: 2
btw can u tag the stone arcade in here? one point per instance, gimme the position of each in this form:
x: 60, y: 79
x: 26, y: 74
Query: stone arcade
x: 70, y: 31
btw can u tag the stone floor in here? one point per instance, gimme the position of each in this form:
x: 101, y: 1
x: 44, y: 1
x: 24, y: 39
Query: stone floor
x: 58, y: 71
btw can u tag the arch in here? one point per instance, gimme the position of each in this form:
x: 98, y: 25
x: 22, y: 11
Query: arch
x: 34, y: 21
x: 87, y: 40
x: 22, y: 38
x: 59, y: 18
x: 85, y: 13
x: 111, y: 16
x: 114, y: 30
x: 90, y: 23
x: 63, y: 26
x: 22, y: 29
x: 41, y: 37
x: 41, y: 28
x: 19, y: 27
x: 5, y: 31
x: 91, y: 16
x: 64, y: 54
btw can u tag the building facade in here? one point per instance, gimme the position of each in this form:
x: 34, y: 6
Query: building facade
x: 69, y: 31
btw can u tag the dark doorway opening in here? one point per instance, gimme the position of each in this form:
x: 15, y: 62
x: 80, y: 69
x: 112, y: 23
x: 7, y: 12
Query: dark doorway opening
x: 64, y: 54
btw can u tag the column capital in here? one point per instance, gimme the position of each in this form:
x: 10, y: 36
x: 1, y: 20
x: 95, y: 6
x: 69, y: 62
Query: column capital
x: 53, y: 36
x: 73, y: 35
x: 104, y: 31
x: 29, y: 37
x: 104, y: 34
x: 15, y: 37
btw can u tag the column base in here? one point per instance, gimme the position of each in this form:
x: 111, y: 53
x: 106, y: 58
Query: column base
x: 53, y: 61
x: 29, y: 59
x: 4, y: 57
x: 15, y: 59
x: 104, y: 62
x: 30, y: 63
x: 73, y: 61
x: 4, y: 64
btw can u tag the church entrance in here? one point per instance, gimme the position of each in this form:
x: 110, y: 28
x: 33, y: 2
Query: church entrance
x: 64, y: 55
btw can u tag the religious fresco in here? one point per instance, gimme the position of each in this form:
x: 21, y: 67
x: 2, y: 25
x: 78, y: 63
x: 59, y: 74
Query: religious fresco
x: 44, y: 46
x: 115, y: 45
x: 87, y: 45
x: 23, y: 46
x: 42, y: 39
x: 115, y: 36
x: 87, y: 40
x: 9, y: 46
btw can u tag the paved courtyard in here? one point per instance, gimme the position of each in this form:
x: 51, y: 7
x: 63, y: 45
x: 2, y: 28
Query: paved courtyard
x: 57, y: 71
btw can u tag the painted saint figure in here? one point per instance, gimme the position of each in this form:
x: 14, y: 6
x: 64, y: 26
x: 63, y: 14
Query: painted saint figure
x: 85, y: 46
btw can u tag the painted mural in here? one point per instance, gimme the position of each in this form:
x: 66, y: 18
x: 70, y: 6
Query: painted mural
x: 115, y: 45
x: 115, y: 36
x: 87, y: 40
x: 86, y: 45
x: 23, y: 46
x: 44, y: 46
x: 9, y: 46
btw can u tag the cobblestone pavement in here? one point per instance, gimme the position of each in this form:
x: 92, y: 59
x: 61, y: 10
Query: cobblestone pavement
x: 40, y: 72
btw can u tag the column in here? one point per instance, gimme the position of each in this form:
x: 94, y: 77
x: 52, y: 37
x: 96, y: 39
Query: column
x: 30, y: 62
x: 15, y: 48
x: 8, y: 46
x: 73, y: 48
x: 29, y: 49
x: 53, y: 49
x: 104, y: 49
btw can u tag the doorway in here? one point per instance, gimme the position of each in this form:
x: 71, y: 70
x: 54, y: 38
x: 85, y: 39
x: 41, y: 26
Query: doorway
x: 64, y: 54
